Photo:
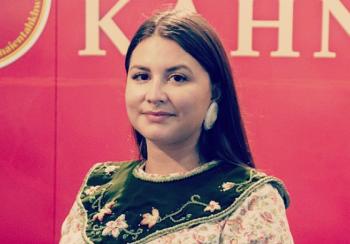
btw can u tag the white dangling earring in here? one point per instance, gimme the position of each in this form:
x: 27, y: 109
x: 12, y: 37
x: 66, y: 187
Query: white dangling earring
x: 211, y: 116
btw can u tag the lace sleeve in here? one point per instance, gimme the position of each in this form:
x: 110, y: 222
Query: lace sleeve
x: 72, y: 226
x: 260, y: 220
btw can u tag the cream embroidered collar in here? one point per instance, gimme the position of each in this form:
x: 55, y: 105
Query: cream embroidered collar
x: 140, y: 173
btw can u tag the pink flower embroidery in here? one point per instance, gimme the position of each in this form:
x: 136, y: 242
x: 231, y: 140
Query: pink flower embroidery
x: 235, y: 225
x: 91, y: 190
x: 267, y: 216
x: 252, y: 203
x: 212, y: 206
x: 150, y: 219
x: 107, y: 209
x: 113, y: 228
x: 227, y: 186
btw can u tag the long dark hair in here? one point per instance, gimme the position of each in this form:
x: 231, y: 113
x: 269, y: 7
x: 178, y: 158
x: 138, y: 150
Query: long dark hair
x: 226, y: 140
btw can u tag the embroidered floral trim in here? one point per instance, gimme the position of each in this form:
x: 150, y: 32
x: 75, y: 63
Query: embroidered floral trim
x: 119, y: 225
x: 239, y: 187
x: 113, y: 228
x: 212, y: 206
x: 106, y: 210
x: 227, y: 186
x: 150, y: 219
x: 139, y: 173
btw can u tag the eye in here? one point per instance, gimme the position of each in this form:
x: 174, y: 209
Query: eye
x: 178, y: 78
x: 140, y: 76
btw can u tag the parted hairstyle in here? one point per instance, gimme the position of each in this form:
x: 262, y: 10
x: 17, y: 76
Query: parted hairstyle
x: 227, y: 139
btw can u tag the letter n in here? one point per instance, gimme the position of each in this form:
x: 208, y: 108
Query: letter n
x: 340, y: 13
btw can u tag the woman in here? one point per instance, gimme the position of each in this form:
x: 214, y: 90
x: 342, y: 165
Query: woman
x: 195, y: 181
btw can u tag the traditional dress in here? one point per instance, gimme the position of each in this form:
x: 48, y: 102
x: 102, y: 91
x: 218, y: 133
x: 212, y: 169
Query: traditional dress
x: 217, y: 202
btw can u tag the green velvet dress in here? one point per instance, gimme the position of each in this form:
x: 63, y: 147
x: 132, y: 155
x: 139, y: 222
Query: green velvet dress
x: 120, y: 203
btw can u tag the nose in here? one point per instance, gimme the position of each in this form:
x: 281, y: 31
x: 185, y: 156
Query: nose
x: 155, y: 93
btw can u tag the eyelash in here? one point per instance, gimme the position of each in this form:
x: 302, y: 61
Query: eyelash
x: 138, y: 76
x: 182, y: 77
x: 145, y: 76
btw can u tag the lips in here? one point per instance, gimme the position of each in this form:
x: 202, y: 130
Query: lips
x: 159, y: 113
x: 158, y: 116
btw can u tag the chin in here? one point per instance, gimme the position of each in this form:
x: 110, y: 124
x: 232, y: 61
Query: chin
x: 159, y: 139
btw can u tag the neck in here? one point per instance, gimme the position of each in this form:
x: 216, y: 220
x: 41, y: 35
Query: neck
x: 167, y: 159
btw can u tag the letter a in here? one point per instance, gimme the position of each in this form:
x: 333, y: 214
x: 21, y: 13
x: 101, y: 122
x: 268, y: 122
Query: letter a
x: 185, y: 5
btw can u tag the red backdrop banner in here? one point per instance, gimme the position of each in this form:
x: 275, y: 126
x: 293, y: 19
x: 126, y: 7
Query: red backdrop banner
x: 62, y: 109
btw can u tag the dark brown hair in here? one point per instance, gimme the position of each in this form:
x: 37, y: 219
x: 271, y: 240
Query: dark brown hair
x: 226, y: 140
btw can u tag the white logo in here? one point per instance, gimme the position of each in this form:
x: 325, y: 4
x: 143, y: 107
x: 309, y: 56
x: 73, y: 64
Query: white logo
x: 32, y: 28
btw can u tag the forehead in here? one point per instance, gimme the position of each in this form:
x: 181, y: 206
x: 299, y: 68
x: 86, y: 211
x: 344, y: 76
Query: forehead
x: 157, y: 51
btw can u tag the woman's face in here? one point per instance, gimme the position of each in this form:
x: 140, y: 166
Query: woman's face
x: 167, y: 92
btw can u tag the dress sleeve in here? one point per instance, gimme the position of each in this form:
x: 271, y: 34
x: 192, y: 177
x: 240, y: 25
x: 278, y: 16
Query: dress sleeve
x: 261, y: 219
x: 71, y: 232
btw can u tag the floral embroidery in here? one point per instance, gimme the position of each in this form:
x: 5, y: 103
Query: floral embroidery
x: 106, y: 210
x: 102, y: 221
x: 247, y: 229
x: 262, y: 222
x: 235, y: 224
x: 150, y: 219
x: 114, y: 227
x: 227, y: 186
x: 91, y: 190
x: 267, y: 216
x: 110, y: 169
x: 252, y: 203
x: 212, y: 206
x: 240, y: 187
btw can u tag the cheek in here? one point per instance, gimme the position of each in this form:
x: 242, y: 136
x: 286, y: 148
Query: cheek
x: 132, y: 100
x: 194, y: 108
x: 133, y: 95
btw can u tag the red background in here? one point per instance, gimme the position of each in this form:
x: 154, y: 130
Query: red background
x: 61, y: 112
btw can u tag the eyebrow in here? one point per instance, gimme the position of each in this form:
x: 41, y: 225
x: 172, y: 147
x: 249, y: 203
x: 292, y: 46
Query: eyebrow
x: 168, y: 70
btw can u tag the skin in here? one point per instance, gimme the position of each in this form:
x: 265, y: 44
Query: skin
x: 167, y: 96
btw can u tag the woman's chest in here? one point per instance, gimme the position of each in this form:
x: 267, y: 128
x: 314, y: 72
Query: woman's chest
x: 207, y: 233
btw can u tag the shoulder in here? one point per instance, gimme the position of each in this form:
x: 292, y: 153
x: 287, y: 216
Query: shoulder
x: 103, y: 171
x: 260, y: 218
x: 243, y: 181
x: 101, y: 174
x: 264, y: 197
